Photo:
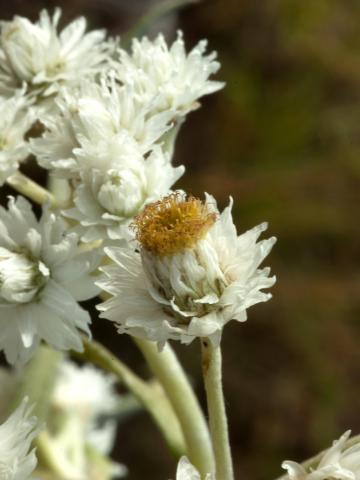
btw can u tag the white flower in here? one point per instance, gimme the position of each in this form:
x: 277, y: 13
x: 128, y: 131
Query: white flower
x: 42, y: 276
x: 192, y: 275
x: 104, y: 141
x: 83, y: 401
x: 338, y: 463
x: 17, y: 461
x: 15, y: 120
x: 90, y: 121
x: 186, y: 471
x: 107, y: 200
x: 176, y: 79
x: 35, y: 53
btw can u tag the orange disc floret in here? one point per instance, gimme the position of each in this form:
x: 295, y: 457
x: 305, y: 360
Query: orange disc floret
x: 173, y: 224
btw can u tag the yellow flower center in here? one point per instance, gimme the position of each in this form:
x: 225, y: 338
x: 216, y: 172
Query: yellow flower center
x: 173, y: 224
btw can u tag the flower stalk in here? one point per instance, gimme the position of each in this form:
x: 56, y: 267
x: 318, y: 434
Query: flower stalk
x: 24, y: 185
x: 151, y: 396
x: 212, y: 373
x: 167, y: 368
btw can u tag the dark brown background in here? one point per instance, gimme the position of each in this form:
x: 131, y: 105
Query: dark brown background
x: 283, y: 139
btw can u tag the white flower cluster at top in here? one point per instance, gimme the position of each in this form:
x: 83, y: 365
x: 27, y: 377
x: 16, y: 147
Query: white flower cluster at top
x: 107, y: 120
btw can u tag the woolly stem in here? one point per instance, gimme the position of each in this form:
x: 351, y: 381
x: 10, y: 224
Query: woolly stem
x: 24, y: 185
x: 212, y: 373
x: 167, y: 368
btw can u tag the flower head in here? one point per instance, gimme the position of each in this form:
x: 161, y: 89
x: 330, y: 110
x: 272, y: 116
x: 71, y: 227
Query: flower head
x: 94, y: 125
x: 17, y: 461
x: 172, y: 78
x: 192, y: 275
x: 37, y: 55
x: 105, y: 201
x: 16, y: 119
x: 105, y: 142
x: 338, y: 463
x: 42, y: 276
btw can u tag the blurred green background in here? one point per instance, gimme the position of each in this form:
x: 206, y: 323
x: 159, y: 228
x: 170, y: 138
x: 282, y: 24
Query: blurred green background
x: 283, y: 139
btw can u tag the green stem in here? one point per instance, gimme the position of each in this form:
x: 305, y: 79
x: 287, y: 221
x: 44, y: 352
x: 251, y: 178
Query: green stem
x: 151, y: 395
x: 24, y: 185
x: 212, y: 373
x: 166, y: 367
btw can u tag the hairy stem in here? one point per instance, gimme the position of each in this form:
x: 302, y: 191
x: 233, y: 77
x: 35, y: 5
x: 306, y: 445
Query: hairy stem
x: 166, y: 367
x: 212, y: 373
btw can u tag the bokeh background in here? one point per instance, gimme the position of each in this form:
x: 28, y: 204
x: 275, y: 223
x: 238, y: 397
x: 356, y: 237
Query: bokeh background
x: 283, y: 139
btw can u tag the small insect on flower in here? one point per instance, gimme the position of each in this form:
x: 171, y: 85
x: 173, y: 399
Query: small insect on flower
x: 191, y: 273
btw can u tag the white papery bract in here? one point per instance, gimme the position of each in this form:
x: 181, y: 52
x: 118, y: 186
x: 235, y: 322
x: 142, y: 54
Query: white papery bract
x: 37, y: 55
x: 338, y: 463
x: 94, y: 125
x: 84, y: 398
x: 15, y: 120
x: 17, y: 460
x: 107, y: 200
x: 196, y: 275
x: 105, y: 143
x: 175, y: 79
x: 43, y: 275
x: 186, y: 471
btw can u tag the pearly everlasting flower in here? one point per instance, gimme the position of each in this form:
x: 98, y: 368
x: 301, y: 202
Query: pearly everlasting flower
x: 42, y: 277
x: 15, y: 120
x: 186, y: 471
x: 43, y: 58
x: 192, y: 275
x: 17, y: 461
x: 83, y: 401
x: 105, y: 143
x: 174, y: 78
x: 96, y: 117
x: 338, y: 463
x: 105, y: 201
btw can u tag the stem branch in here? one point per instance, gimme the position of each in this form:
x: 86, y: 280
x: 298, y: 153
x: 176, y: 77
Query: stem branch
x: 151, y: 395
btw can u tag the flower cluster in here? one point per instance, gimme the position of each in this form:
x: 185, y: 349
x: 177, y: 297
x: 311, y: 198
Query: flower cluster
x: 103, y: 120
